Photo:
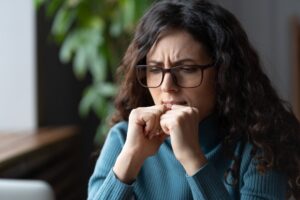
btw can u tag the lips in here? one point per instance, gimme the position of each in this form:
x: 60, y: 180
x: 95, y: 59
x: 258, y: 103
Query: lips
x: 169, y: 104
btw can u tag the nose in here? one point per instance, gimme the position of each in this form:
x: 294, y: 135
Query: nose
x: 168, y: 84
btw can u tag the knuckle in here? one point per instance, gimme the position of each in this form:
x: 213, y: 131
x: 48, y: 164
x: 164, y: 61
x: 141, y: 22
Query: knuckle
x: 190, y: 110
x: 135, y: 112
x: 158, y: 113
x: 195, y: 110
x: 187, y: 111
x: 180, y: 119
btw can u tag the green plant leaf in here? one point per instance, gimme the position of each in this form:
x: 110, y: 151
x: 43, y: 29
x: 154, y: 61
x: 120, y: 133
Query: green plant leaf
x: 98, y: 68
x: 96, y: 23
x: 80, y: 63
x: 53, y: 6
x: 106, y: 89
x: 116, y: 24
x: 88, y: 98
x: 100, y: 107
x: 128, y: 11
x: 93, y: 35
x: 63, y: 21
x: 69, y: 47
x: 83, y: 44
x: 73, y: 3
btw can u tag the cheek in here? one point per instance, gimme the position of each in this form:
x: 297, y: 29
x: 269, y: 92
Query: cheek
x: 155, y: 95
x: 207, y: 93
x: 204, y: 99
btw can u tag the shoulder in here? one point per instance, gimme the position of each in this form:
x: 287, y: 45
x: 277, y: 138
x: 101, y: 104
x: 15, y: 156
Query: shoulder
x: 246, y: 155
x: 115, y: 138
x: 243, y: 155
x: 118, y: 131
x: 249, y: 162
x: 120, y: 127
x: 268, y: 184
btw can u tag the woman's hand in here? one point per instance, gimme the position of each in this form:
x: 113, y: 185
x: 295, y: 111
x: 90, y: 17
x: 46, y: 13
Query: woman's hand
x: 144, y: 138
x: 181, y: 123
x: 144, y: 133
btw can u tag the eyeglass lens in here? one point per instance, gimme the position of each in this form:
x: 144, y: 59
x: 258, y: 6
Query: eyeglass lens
x: 183, y: 76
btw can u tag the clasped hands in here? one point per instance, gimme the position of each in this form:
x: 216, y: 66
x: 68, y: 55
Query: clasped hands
x: 149, y: 126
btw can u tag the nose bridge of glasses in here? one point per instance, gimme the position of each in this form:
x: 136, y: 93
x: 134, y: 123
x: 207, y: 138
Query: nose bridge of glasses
x: 165, y: 71
x: 172, y: 77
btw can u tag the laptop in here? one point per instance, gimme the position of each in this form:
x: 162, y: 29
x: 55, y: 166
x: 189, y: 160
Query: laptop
x: 14, y: 189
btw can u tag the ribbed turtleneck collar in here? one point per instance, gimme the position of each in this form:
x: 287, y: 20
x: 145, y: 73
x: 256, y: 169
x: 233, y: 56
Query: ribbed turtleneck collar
x: 209, y: 134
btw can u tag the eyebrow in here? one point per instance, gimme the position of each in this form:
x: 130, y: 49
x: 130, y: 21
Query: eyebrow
x: 178, y: 62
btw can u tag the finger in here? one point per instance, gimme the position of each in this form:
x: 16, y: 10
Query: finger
x: 152, y: 123
x: 176, y: 106
x: 149, y: 120
x: 149, y: 117
x: 163, y: 125
x: 184, y: 110
x: 160, y: 137
x: 163, y: 108
x: 157, y: 128
x: 158, y: 111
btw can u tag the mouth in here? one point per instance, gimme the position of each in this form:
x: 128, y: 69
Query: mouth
x: 169, y: 104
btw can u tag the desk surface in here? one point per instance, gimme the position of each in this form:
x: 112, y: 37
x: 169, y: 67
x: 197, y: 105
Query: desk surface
x: 15, y: 145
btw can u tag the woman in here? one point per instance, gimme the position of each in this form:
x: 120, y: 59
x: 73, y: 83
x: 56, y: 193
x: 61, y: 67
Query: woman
x: 196, y: 117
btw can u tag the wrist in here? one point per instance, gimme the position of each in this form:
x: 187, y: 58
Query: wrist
x: 127, y: 166
x: 193, y: 162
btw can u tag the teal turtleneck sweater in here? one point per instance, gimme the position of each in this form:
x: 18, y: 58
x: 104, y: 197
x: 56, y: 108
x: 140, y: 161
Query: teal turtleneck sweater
x: 163, y: 177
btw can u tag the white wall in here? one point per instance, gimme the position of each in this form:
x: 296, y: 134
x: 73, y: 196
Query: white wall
x: 267, y: 23
x: 17, y: 65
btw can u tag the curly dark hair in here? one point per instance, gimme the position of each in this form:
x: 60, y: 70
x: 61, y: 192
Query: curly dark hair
x: 248, y: 107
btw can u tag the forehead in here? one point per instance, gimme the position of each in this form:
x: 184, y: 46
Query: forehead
x: 177, y: 44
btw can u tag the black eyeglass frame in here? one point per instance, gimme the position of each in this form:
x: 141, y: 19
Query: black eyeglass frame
x: 170, y: 70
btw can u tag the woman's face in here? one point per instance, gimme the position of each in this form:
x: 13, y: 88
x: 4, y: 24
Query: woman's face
x: 180, y: 48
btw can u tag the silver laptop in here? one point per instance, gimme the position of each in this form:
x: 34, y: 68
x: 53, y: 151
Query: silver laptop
x: 12, y: 189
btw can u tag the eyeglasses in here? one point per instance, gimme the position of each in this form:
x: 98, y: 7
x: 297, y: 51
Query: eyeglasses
x: 185, y: 76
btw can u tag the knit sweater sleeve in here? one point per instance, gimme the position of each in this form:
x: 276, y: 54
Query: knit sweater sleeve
x: 271, y: 185
x: 206, y: 184
x: 103, y: 183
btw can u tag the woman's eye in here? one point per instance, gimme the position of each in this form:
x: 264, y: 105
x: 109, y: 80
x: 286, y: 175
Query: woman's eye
x: 186, y: 69
x: 154, y: 69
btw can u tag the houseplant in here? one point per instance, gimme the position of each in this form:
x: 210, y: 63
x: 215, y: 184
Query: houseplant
x: 93, y: 35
